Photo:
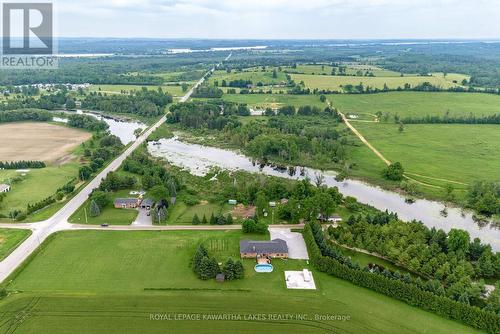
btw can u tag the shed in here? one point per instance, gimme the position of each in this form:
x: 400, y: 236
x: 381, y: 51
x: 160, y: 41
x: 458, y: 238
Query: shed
x: 220, y: 277
x: 232, y: 201
x: 272, y: 204
x: 4, y: 188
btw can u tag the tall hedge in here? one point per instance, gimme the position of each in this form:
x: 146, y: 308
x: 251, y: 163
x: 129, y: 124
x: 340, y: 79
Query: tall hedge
x: 408, y: 293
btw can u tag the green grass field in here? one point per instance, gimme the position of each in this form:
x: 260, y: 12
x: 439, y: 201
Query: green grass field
x: 456, y: 152
x: 176, y: 91
x: 337, y: 82
x: 274, y: 100
x: 95, y: 281
x: 10, y: 239
x: 255, y: 76
x: 417, y: 104
x: 35, y: 185
x: 182, y: 214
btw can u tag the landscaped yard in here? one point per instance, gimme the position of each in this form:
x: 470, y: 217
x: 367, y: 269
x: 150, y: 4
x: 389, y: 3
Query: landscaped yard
x: 10, y: 239
x: 182, y: 214
x: 102, y: 284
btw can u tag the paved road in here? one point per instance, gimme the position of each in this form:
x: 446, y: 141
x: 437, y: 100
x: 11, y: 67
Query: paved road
x: 59, y: 221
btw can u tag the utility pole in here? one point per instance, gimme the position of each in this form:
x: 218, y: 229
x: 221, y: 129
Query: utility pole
x: 86, y: 220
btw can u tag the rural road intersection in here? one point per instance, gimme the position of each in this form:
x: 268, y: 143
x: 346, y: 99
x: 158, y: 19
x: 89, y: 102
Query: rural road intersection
x: 59, y: 221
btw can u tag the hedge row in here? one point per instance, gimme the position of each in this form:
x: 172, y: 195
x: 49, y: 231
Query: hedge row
x: 408, y: 293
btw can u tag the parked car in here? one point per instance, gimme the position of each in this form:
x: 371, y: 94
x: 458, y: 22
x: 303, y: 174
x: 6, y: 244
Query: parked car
x: 104, y: 225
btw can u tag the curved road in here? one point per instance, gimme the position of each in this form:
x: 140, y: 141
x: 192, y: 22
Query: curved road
x: 59, y: 221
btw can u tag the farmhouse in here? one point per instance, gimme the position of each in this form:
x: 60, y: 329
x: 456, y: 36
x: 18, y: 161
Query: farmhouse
x: 4, y: 188
x: 127, y: 203
x: 276, y: 248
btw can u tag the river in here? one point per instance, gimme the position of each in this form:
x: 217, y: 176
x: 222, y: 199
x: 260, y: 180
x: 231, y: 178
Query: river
x: 125, y: 130
x: 198, y: 160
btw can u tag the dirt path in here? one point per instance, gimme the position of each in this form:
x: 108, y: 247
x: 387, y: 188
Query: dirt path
x: 363, y: 139
x: 384, y: 159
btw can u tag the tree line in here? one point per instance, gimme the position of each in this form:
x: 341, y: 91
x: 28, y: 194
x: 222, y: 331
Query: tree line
x: 450, y: 119
x: 144, y: 102
x: 22, y: 164
x: 206, y: 266
x: 324, y: 258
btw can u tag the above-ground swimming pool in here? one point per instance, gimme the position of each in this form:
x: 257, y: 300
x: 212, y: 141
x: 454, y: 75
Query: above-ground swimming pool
x: 264, y: 268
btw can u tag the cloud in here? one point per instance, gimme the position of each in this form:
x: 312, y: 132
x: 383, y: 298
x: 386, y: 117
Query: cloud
x: 281, y: 18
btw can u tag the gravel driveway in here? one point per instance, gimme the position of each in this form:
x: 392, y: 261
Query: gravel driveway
x: 296, y: 245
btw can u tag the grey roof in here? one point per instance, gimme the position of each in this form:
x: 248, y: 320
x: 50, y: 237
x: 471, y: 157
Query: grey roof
x: 147, y: 202
x: 126, y: 201
x: 273, y: 246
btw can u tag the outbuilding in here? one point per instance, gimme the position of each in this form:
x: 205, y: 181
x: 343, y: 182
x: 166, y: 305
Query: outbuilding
x: 4, y: 188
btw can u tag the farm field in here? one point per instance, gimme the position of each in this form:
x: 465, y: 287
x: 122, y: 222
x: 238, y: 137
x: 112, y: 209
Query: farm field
x: 352, y: 69
x: 36, y: 185
x: 266, y: 77
x: 39, y: 141
x: 455, y: 152
x: 416, y: 104
x: 262, y: 101
x: 337, y: 82
x: 176, y: 91
x: 10, y: 239
x: 109, y: 290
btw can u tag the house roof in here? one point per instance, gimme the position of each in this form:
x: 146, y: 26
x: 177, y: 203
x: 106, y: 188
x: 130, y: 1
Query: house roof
x: 125, y: 200
x: 147, y: 202
x: 4, y: 187
x: 273, y: 246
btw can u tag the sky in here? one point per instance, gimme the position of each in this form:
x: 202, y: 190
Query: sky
x: 280, y: 19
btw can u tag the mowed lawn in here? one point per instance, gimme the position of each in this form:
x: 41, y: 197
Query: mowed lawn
x: 10, y: 239
x: 456, y: 152
x: 95, y: 281
x: 182, y: 214
x: 417, y: 104
x: 36, y: 185
x: 337, y: 82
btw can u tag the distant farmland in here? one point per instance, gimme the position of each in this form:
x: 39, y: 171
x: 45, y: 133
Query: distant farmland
x: 337, y: 82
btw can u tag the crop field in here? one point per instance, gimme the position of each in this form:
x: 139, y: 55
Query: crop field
x: 10, y: 239
x: 455, y: 152
x: 39, y: 141
x: 35, y: 186
x: 262, y: 101
x: 416, y: 104
x: 337, y: 82
x: 117, y: 281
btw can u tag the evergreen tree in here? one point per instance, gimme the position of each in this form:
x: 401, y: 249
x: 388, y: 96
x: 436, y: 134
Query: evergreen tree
x: 213, y: 221
x: 204, y: 220
x: 196, y: 220
x: 228, y: 270
x: 239, y: 270
x: 229, y: 220
x: 94, y: 209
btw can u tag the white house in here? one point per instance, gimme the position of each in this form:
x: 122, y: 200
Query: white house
x: 4, y: 188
